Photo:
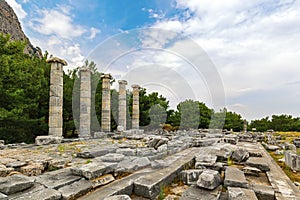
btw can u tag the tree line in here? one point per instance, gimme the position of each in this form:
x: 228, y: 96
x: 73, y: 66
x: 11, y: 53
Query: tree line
x: 24, y: 102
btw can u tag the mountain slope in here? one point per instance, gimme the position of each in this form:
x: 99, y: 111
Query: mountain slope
x: 9, y: 24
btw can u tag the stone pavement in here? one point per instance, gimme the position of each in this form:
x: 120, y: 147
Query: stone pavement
x: 209, y: 164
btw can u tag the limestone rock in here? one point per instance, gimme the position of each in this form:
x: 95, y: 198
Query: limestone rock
x: 118, y: 197
x: 209, y: 179
x: 11, y: 25
x: 32, y: 169
x: 235, y: 193
x: 190, y: 176
x: 235, y: 178
x: 251, y: 171
x: 93, y: 170
x: 264, y: 192
x: 112, y: 157
x: 3, y: 196
x: 196, y: 193
x: 102, y: 180
x: 240, y: 155
x: 15, y: 183
x: 76, y: 189
x: 259, y: 163
x: 44, y: 140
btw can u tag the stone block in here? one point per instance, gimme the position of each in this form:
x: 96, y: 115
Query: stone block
x: 118, y: 197
x: 240, y: 155
x: 191, y: 176
x: 209, y: 179
x: 94, y: 170
x: 235, y: 178
x: 43, y: 194
x: 264, y: 192
x: 75, y: 189
x: 45, y: 140
x: 112, y: 157
x: 235, y: 193
x: 57, y: 179
x: 33, y: 169
x: 102, y: 180
x: 196, y: 193
x: 259, y: 163
x: 15, y: 183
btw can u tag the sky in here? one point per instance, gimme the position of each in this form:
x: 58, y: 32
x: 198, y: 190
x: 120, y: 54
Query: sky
x: 242, y: 55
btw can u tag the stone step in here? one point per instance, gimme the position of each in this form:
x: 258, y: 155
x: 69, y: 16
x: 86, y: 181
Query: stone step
x: 196, y: 193
x: 15, y: 183
x: 121, y: 186
x: 75, y: 189
x: 94, y: 170
x: 150, y: 185
x: 57, y: 179
x: 235, y: 178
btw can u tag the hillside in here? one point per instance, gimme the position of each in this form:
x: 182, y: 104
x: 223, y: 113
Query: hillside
x: 9, y: 24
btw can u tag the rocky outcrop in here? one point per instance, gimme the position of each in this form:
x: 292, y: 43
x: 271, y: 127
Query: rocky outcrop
x: 9, y: 24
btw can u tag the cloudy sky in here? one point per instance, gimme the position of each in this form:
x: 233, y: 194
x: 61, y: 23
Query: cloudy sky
x: 243, y: 54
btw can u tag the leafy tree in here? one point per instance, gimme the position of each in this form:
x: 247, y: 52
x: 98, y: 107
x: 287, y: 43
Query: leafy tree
x: 24, y: 90
x: 261, y: 125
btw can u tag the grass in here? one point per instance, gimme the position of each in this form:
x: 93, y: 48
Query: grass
x: 88, y: 161
x: 288, y: 136
x: 294, y: 176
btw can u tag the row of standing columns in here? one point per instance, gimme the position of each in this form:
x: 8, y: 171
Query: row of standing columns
x: 56, y: 101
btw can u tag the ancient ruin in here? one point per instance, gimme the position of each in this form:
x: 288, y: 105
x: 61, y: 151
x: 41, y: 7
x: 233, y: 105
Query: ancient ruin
x: 85, y: 103
x: 106, y: 111
x: 56, y: 97
x: 122, y: 105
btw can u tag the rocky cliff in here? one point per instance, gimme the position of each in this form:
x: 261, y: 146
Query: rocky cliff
x: 9, y: 24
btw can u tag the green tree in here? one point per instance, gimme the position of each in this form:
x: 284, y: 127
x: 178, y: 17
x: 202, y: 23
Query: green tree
x: 24, y: 91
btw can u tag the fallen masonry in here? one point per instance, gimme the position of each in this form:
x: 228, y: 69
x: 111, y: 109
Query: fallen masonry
x: 195, y: 164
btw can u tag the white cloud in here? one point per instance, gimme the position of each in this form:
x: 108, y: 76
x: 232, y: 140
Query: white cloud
x: 20, y: 12
x: 57, y: 22
x: 254, y: 45
x: 93, y: 32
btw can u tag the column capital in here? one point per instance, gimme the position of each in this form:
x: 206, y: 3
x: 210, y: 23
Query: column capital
x: 86, y: 69
x: 122, y: 82
x: 135, y: 86
x: 106, y: 76
x: 57, y: 60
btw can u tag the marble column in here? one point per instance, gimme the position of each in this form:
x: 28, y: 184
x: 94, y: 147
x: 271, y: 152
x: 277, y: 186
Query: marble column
x: 105, y: 121
x: 85, y: 103
x: 56, y: 97
x: 122, y: 104
x: 135, y: 107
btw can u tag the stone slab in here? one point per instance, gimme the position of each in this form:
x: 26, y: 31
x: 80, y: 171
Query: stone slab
x: 57, y: 179
x: 94, y: 170
x: 149, y: 185
x: 190, y: 177
x: 264, y: 192
x: 196, y: 193
x: 118, y: 197
x: 15, y: 183
x: 102, y: 180
x: 235, y: 193
x: 235, y: 178
x: 43, y: 194
x: 259, y: 163
x: 3, y: 196
x: 75, y: 189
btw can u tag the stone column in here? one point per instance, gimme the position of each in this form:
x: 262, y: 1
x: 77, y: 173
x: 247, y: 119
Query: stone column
x: 135, y: 107
x: 245, y: 125
x: 56, y: 97
x: 85, y: 103
x: 122, y: 104
x: 105, y: 121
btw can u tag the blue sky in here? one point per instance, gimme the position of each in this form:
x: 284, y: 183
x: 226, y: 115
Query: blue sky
x: 253, y: 46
